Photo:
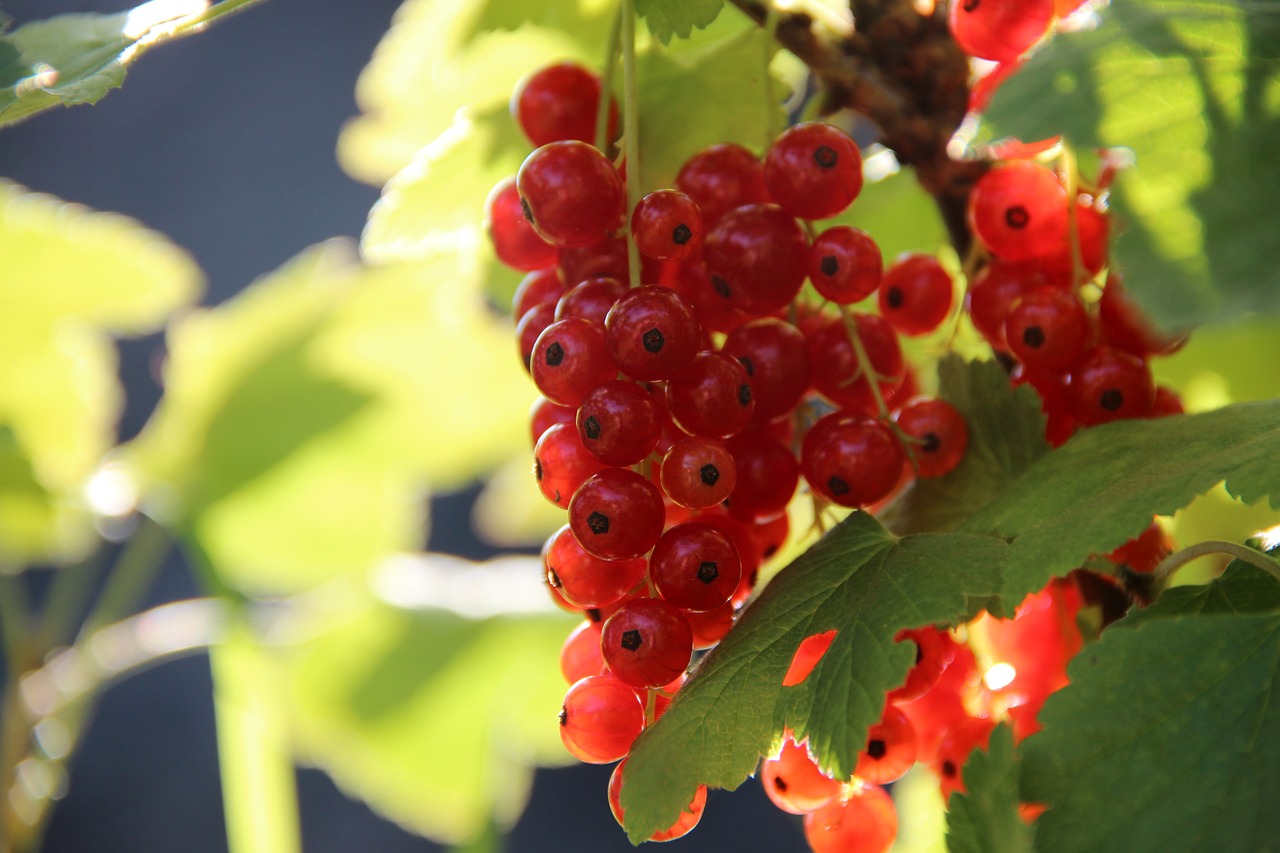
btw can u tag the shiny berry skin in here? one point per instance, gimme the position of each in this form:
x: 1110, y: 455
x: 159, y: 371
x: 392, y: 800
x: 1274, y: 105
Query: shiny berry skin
x: 942, y: 432
x: 562, y: 463
x: 530, y: 327
x: 667, y: 225
x: 683, y: 825
x: 1108, y: 384
x: 580, y: 655
x: 600, y: 719
x: 571, y: 194
x: 999, y: 30
x: 619, y: 422
x: 851, y: 461
x: 720, y: 178
x: 652, y: 333
x: 616, y: 515
x: 916, y: 294
x: 813, y: 170
x: 845, y: 264
x: 538, y: 287
x: 604, y: 257
x: 514, y: 241
x: 933, y: 653
x: 794, y: 782
x: 569, y: 359
x: 695, y: 566
x: 865, y: 822
x: 756, y: 257
x: 583, y: 580
x: 1019, y: 210
x: 647, y: 642
x: 957, y: 744
x: 711, y: 626
x: 698, y: 472
x: 766, y: 472
x: 559, y: 102
x: 776, y: 358
x: 590, y: 299
x: 891, y: 748
x: 994, y: 292
x: 712, y: 396
x: 545, y: 414
x: 836, y: 374
x: 1048, y: 329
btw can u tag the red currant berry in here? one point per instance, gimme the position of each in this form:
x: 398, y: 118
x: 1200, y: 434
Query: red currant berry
x: 999, y: 30
x: 916, y: 294
x: 583, y: 580
x: 698, y: 472
x: 1108, y: 384
x: 776, y: 358
x: 712, y: 396
x: 647, y: 643
x: 836, y: 374
x: 571, y: 194
x: 590, y: 299
x: 794, y: 782
x: 933, y: 653
x: 531, y: 326
x: 941, y: 431
x: 619, y: 422
x: 617, y: 515
x: 960, y: 740
x: 569, y: 359
x: 562, y: 463
x: 863, y: 820
x: 560, y: 102
x: 667, y: 225
x: 1048, y: 329
x: 852, y: 461
x: 720, y: 178
x: 652, y: 333
x: 600, y: 719
x: 766, y: 472
x: 538, y: 287
x: 514, y: 241
x: 994, y: 292
x: 1019, y: 210
x: 756, y: 257
x: 684, y: 824
x: 813, y: 170
x: 695, y: 567
x: 891, y: 748
x: 845, y: 265
x: 546, y: 414
x: 580, y: 655
x: 710, y: 627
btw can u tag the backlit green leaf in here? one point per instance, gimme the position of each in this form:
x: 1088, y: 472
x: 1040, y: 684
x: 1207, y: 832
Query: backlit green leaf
x: 1168, y: 735
x: 856, y: 580
x: 1103, y: 486
x: 985, y: 818
x: 1188, y: 86
x: 667, y: 18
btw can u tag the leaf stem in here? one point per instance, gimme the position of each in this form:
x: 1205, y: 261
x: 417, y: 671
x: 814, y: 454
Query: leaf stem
x: 131, y: 576
x: 1176, y: 561
x: 606, y: 84
x: 631, y: 131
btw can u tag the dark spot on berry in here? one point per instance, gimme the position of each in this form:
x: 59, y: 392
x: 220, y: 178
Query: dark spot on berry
x: 598, y: 522
x: 931, y: 442
x: 708, y: 571
x: 949, y: 769
x: 591, y: 427
x: 631, y: 640
x: 837, y: 486
x: 893, y: 297
x: 751, y: 578
x: 778, y: 781
x: 528, y: 212
x: 747, y: 365
x: 1017, y: 217
x: 919, y: 653
x: 876, y: 749
x: 1033, y: 336
x: 970, y: 5
x: 709, y: 474
x: 829, y: 265
x: 557, y: 498
x: 825, y: 156
x: 593, y: 614
x: 555, y: 354
x: 564, y: 716
x: 720, y: 285
x: 653, y: 340
x: 744, y: 394
x: 537, y: 469
x: 1112, y: 399
x: 682, y: 234
x: 553, y: 578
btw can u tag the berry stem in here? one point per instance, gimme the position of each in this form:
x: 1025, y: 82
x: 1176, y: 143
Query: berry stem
x: 606, y: 83
x: 1072, y: 185
x: 631, y: 130
x: 772, y: 127
x: 1176, y: 561
x: 865, y: 368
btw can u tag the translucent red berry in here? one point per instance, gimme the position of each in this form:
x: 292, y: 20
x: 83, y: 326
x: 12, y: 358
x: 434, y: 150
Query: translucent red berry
x: 571, y: 194
x: 794, y: 782
x: 514, y: 241
x: 916, y: 294
x: 720, y: 178
x: 652, y: 333
x: 616, y: 515
x: 845, y: 265
x: 941, y: 432
x: 852, y: 461
x: 647, y: 642
x: 813, y: 170
x: 712, y: 396
x: 756, y: 258
x: 569, y: 359
x: 600, y: 719
x: 1019, y: 210
x: 667, y: 225
x: 862, y: 820
x: 559, y: 102
x: 698, y: 472
x: 683, y: 825
x: 619, y: 422
x: 695, y: 566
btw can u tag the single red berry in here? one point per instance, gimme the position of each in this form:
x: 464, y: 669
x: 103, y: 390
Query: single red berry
x: 862, y: 820
x: 720, y: 178
x: 794, y: 782
x: 538, y: 287
x: 571, y: 194
x: 712, y: 396
x: 999, y: 30
x: 1019, y: 210
x: 580, y: 655
x: 1108, y: 384
x: 957, y: 744
x: 890, y: 750
x: 916, y: 294
x: 1048, y: 329
x: 562, y: 463
x: 813, y: 170
x: 584, y: 580
x: 619, y: 422
x: 1125, y: 326
x: 590, y: 299
x: 850, y: 460
x: 698, y: 472
x: 652, y: 333
x: 667, y: 225
x: 845, y: 264
x: 766, y: 472
x: 836, y: 374
x: 616, y: 515
x: 600, y: 718
x: 647, y: 643
x: 942, y: 433
x: 695, y: 566
x: 933, y: 654
x: 545, y: 414
x: 994, y: 292
x: 683, y: 825
x: 530, y: 327
x: 711, y: 626
x: 514, y: 241
x: 776, y: 358
x: 756, y: 257
x: 569, y: 359
x: 559, y: 102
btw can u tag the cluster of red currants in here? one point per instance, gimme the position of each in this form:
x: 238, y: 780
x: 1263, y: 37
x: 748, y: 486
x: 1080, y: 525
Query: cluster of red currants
x: 678, y: 414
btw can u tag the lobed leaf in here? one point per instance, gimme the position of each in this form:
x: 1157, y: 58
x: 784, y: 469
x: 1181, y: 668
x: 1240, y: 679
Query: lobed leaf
x: 985, y: 819
x: 1169, y: 732
x: 857, y: 580
x: 667, y: 18
x: 1102, y: 487
x: 1187, y: 85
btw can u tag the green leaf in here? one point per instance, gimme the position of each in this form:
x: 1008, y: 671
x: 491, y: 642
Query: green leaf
x: 434, y: 718
x: 73, y: 279
x: 1188, y: 86
x: 667, y: 18
x: 1241, y: 588
x: 1168, y: 735
x: 857, y: 580
x: 901, y: 215
x: 77, y: 59
x: 985, y: 819
x: 1102, y: 487
x: 1006, y: 435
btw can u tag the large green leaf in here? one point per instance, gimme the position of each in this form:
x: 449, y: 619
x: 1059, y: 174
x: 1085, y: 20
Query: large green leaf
x: 1168, y: 736
x: 434, y: 718
x: 303, y: 419
x: 77, y: 59
x: 667, y: 18
x: 857, y: 580
x: 1102, y: 487
x: 73, y: 278
x: 985, y: 818
x: 1188, y: 85
x: 1006, y: 435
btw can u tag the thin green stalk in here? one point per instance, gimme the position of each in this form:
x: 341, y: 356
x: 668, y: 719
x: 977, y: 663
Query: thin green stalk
x: 68, y: 600
x: 631, y: 130
x: 15, y: 617
x: 606, y: 83
x: 772, y: 127
x: 865, y: 367
x: 131, y: 576
x: 1176, y: 561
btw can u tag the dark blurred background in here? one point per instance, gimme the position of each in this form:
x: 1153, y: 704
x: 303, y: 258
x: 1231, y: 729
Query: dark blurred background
x: 225, y: 143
